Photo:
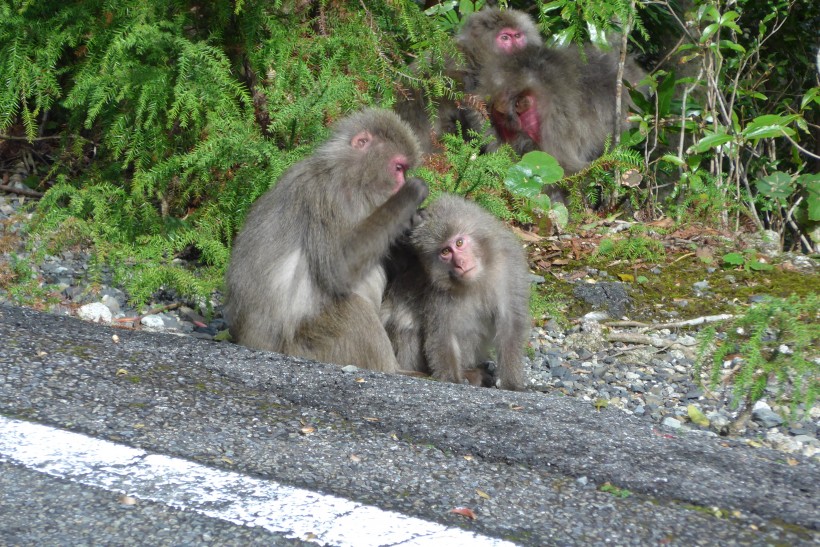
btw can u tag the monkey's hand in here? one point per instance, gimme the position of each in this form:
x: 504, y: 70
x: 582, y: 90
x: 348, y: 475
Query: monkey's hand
x: 416, y: 188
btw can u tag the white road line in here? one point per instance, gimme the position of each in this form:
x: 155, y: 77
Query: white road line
x: 294, y: 512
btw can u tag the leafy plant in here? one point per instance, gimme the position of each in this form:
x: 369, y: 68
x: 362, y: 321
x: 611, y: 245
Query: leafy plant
x: 748, y: 260
x: 635, y: 246
x: 463, y: 169
x: 528, y: 178
x: 776, y: 341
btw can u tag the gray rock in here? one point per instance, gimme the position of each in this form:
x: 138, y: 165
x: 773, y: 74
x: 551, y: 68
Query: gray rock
x: 765, y: 416
x: 96, y: 312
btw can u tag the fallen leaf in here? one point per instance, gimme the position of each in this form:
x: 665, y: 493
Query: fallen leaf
x: 307, y: 430
x: 370, y: 419
x: 527, y: 236
x: 464, y: 512
x: 516, y: 407
x: 792, y: 461
x: 631, y: 178
x: 482, y: 494
x: 115, y: 338
x: 122, y: 372
x: 468, y: 458
x: 627, y: 278
x: 355, y: 458
x: 697, y: 417
x: 226, y: 460
x: 360, y: 380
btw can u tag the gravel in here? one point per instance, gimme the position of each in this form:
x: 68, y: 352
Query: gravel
x: 651, y: 374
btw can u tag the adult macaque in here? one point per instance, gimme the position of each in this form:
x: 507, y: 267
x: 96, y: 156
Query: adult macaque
x: 552, y: 99
x: 306, y: 275
x: 486, y: 36
x: 459, y: 291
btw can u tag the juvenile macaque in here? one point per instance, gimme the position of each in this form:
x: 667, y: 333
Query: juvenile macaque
x: 306, y: 275
x: 554, y: 100
x: 487, y: 35
x: 459, y: 290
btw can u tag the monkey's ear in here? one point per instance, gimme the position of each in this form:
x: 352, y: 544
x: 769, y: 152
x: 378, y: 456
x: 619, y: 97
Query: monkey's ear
x: 361, y: 140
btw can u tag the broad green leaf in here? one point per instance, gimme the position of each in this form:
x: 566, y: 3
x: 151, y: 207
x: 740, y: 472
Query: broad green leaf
x: 541, y: 202
x: 559, y: 215
x: 528, y: 176
x: 769, y: 126
x: 729, y: 16
x: 735, y: 259
x: 733, y: 46
x: 811, y: 182
x: 812, y: 95
x: 778, y: 185
x: 758, y: 266
x: 671, y: 158
x: 708, y: 32
x: 712, y: 140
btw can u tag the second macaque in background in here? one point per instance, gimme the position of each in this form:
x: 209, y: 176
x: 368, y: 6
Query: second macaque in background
x: 458, y: 291
x: 486, y: 36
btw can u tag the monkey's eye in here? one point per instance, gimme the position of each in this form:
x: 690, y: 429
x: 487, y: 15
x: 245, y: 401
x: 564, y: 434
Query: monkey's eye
x: 505, y: 37
x: 401, y: 168
x: 460, y: 243
x: 445, y: 252
x: 362, y: 141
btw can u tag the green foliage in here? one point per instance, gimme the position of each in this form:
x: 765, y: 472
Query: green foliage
x: 176, y: 115
x: 777, y: 342
x: 462, y: 169
x: 527, y: 179
x: 547, y: 304
x: 615, y: 491
x: 635, y: 246
x: 741, y: 113
x: 748, y: 260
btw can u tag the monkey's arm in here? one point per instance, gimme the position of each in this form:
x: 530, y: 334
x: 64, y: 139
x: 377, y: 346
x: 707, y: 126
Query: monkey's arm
x: 369, y: 241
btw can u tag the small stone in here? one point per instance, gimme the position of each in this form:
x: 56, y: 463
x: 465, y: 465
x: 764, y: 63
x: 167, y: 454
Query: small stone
x: 671, y: 423
x: 765, y: 416
x: 152, y: 322
x: 111, y: 303
x: 96, y: 312
x: 350, y: 369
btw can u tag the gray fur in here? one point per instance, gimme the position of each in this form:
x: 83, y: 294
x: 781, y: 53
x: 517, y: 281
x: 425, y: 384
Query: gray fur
x: 448, y: 327
x: 575, y: 97
x: 476, y: 43
x: 305, y: 276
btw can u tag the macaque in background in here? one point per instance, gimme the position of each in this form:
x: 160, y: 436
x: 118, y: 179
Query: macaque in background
x: 306, y: 275
x: 459, y: 289
x: 486, y: 36
x: 552, y: 99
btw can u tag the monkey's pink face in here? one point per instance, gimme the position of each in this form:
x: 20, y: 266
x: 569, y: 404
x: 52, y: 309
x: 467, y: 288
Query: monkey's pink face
x: 398, y: 169
x: 458, y: 253
x: 510, y: 39
x: 397, y: 166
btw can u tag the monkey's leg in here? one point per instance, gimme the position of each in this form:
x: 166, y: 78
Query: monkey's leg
x: 510, y: 340
x: 348, y: 332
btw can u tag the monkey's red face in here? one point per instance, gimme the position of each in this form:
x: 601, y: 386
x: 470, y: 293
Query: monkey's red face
x: 458, y: 253
x: 397, y: 166
x: 398, y: 169
x: 510, y: 39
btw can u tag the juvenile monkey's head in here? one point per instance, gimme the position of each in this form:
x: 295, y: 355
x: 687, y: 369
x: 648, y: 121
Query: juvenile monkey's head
x: 493, y: 31
x: 453, y: 243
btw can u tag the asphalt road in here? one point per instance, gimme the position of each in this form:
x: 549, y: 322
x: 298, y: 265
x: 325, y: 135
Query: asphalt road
x: 531, y: 467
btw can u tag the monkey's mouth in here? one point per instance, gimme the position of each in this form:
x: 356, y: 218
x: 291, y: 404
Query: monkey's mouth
x: 459, y: 273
